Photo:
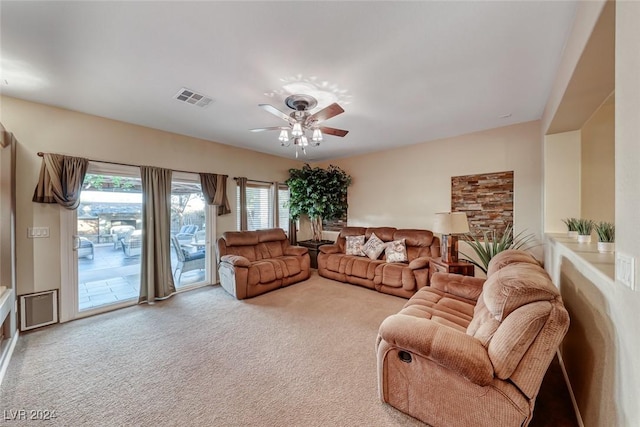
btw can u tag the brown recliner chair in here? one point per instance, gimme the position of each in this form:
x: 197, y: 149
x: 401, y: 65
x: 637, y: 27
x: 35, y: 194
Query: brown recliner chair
x: 251, y: 263
x: 465, y: 352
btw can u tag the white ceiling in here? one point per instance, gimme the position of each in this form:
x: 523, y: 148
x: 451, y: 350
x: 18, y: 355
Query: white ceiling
x: 406, y: 72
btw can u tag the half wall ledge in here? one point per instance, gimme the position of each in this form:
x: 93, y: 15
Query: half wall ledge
x: 595, y: 266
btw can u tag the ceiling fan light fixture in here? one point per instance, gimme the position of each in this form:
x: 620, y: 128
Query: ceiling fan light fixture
x: 284, y: 135
x: 297, y: 129
x: 317, y: 135
x: 301, y: 120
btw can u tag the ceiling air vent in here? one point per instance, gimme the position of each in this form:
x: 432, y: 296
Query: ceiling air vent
x: 191, y: 97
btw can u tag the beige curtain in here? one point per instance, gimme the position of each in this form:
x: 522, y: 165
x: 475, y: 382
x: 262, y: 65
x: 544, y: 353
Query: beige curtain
x: 242, y: 186
x: 6, y: 137
x: 156, y: 279
x: 214, y: 189
x: 60, y: 181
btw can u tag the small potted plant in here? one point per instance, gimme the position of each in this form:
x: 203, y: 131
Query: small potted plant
x: 584, y: 228
x: 606, y: 236
x: 572, y: 227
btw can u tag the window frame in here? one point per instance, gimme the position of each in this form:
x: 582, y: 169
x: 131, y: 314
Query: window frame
x: 272, y: 209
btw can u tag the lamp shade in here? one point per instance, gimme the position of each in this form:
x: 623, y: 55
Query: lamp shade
x: 297, y: 129
x: 451, y: 223
x: 284, y: 135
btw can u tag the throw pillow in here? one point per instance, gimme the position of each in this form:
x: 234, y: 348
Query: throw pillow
x: 396, y: 251
x: 374, y: 247
x: 354, y: 245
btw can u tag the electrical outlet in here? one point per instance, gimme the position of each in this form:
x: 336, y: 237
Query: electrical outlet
x: 38, y: 232
x: 625, y: 270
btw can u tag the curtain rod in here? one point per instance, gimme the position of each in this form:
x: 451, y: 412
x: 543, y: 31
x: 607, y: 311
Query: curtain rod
x: 235, y: 178
x: 41, y: 154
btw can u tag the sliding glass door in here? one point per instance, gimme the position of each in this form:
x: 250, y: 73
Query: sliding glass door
x: 102, y: 249
x: 107, y: 245
x: 188, y: 231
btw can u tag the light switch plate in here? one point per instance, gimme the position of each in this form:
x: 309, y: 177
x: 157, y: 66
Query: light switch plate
x: 38, y: 232
x: 626, y: 270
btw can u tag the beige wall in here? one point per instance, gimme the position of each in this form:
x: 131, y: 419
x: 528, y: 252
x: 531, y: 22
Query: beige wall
x: 405, y: 187
x: 602, y: 346
x: 585, y: 76
x: 579, y: 172
x: 6, y: 180
x: 598, y: 165
x: 625, y: 303
x: 561, y: 179
x: 42, y: 128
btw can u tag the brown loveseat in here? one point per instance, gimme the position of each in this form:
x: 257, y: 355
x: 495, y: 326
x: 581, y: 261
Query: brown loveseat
x: 469, y: 352
x: 251, y: 263
x: 396, y: 278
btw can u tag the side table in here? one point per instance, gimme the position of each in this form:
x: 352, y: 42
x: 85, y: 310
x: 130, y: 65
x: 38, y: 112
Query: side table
x: 313, y: 246
x: 437, y: 265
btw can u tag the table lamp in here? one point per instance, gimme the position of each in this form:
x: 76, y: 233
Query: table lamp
x: 449, y: 224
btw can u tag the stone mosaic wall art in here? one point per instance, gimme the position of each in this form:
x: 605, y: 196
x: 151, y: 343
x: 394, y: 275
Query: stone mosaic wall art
x: 486, y: 198
x: 334, y: 224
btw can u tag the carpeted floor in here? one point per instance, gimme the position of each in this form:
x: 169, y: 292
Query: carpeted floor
x: 299, y: 356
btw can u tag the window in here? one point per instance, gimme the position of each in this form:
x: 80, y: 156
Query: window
x: 260, y: 202
x: 283, y: 207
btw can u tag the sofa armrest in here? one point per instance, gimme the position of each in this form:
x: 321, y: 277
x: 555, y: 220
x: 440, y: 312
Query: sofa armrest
x: 420, y: 262
x: 462, y: 286
x: 295, y: 250
x: 445, y: 346
x: 329, y: 249
x: 236, y: 260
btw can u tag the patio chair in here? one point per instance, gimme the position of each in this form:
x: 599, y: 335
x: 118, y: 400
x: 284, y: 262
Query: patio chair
x: 85, y: 248
x: 132, y: 245
x: 187, y: 260
x: 200, y: 238
x: 119, y: 232
x: 186, y: 233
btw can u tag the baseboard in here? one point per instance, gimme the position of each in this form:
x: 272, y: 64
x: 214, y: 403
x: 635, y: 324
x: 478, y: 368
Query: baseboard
x: 6, y: 355
x: 573, y: 397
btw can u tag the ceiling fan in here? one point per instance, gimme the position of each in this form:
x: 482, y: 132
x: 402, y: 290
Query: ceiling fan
x: 300, y: 121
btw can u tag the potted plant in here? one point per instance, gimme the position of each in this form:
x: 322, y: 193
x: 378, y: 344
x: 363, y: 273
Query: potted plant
x: 318, y: 193
x: 572, y: 227
x: 606, y: 232
x: 491, y: 245
x: 584, y: 227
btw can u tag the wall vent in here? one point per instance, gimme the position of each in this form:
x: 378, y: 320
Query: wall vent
x: 192, y: 97
x: 39, y: 309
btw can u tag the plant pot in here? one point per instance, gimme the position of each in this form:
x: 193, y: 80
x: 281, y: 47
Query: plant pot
x: 572, y: 234
x: 606, y: 247
x: 582, y: 238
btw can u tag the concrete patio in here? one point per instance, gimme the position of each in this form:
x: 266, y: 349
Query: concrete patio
x: 111, y: 277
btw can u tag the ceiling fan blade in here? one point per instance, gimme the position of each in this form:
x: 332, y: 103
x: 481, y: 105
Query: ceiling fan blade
x: 326, y: 113
x: 273, y: 110
x: 333, y: 131
x: 269, y: 128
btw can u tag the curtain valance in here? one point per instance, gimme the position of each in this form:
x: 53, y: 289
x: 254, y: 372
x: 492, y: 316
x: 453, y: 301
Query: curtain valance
x: 61, y: 179
x: 5, y: 137
x: 214, y: 189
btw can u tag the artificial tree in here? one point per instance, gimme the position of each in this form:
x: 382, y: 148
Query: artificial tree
x: 319, y: 194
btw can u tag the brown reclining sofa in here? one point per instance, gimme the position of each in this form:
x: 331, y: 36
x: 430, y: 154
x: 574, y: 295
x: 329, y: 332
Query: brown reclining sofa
x: 467, y: 351
x: 251, y: 263
x: 395, y: 278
